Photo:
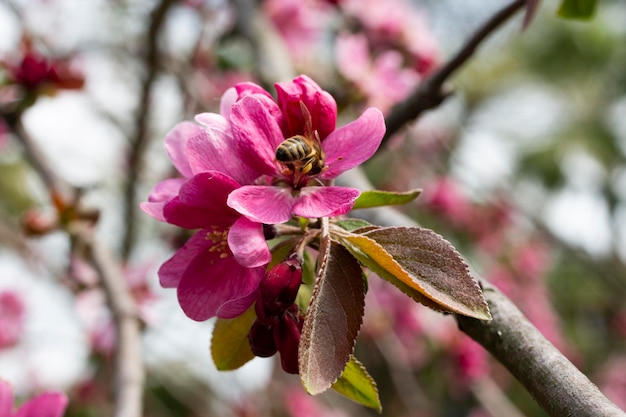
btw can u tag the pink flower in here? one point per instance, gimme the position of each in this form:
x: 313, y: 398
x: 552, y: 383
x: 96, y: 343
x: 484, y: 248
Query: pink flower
x: 12, y: 311
x: 304, y: 109
x: 217, y: 272
x: 48, y: 404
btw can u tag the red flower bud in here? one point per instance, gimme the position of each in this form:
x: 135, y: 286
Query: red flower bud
x: 280, y: 286
x: 287, y: 339
x: 261, y: 340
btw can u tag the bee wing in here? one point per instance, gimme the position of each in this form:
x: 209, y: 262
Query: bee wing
x: 308, y: 122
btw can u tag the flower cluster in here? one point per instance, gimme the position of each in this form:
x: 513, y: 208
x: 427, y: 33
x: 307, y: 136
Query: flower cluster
x: 232, y: 188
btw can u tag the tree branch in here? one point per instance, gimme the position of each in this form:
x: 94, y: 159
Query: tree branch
x: 129, y: 372
x: 140, y: 140
x: 555, y: 383
x: 128, y: 364
x: 431, y: 93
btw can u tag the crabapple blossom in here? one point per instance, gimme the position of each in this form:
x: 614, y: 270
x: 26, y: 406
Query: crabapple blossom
x: 263, y: 125
x: 48, y: 404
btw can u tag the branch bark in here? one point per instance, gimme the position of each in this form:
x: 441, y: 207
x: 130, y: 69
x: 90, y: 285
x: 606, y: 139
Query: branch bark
x: 555, y: 383
x: 432, y: 92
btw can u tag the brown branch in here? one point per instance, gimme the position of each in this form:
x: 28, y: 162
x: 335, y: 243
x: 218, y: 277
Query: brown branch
x: 140, y: 141
x: 431, y: 93
x: 555, y: 383
x: 128, y: 366
x: 129, y: 371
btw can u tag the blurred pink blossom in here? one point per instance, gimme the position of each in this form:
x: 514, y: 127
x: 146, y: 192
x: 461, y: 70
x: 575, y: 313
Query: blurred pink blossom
x: 12, y: 315
x: 47, y: 404
x: 399, y: 24
x: 300, y: 404
x: 301, y: 24
x: 383, y: 80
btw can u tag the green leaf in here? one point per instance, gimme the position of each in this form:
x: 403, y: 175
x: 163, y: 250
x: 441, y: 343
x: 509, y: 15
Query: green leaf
x: 577, y: 9
x: 230, y: 348
x: 352, y: 224
x: 423, y: 265
x: 377, y: 198
x: 333, y: 319
x: 356, y: 384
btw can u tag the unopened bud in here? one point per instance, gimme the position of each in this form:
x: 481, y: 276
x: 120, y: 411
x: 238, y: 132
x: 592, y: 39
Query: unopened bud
x: 287, y: 339
x: 280, y: 286
x: 261, y: 340
x: 37, y: 223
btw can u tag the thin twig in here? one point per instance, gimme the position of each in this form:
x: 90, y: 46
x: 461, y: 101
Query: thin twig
x: 140, y: 141
x: 431, y: 93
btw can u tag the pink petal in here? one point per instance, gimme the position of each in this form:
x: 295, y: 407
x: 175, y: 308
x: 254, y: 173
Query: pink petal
x: 48, y: 404
x: 176, y: 145
x: 269, y: 205
x: 215, y: 150
x: 171, y: 272
x: 320, y: 104
x: 257, y: 133
x: 228, y: 99
x: 201, y: 202
x: 213, y: 286
x: 315, y: 202
x: 162, y: 193
x: 6, y: 399
x: 247, y: 242
x: 353, y: 143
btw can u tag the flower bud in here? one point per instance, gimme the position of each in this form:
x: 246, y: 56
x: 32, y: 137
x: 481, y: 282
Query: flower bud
x: 280, y: 286
x: 287, y: 339
x: 261, y: 340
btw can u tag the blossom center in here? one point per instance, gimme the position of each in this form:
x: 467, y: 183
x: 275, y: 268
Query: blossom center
x: 219, y: 240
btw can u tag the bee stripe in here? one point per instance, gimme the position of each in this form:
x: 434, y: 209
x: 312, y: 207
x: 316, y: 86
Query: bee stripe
x: 292, y: 149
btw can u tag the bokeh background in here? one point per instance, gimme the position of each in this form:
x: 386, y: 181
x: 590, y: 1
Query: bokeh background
x: 523, y: 169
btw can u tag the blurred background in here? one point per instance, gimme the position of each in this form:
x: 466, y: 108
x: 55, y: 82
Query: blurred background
x: 523, y: 169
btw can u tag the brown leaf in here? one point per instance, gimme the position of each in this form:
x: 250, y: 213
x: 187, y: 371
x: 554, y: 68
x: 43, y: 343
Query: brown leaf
x: 333, y: 319
x: 435, y: 267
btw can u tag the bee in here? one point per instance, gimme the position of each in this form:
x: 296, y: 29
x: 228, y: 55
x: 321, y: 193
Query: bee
x: 302, y: 154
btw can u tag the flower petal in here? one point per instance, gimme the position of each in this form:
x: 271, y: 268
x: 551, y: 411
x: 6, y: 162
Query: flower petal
x: 247, y: 242
x: 48, y: 404
x: 269, y: 205
x: 214, y: 286
x: 171, y: 272
x: 6, y: 398
x: 315, y: 202
x: 257, y: 133
x: 353, y: 143
x: 320, y: 104
x: 215, y: 150
x: 161, y: 194
x: 176, y: 145
x: 201, y: 202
